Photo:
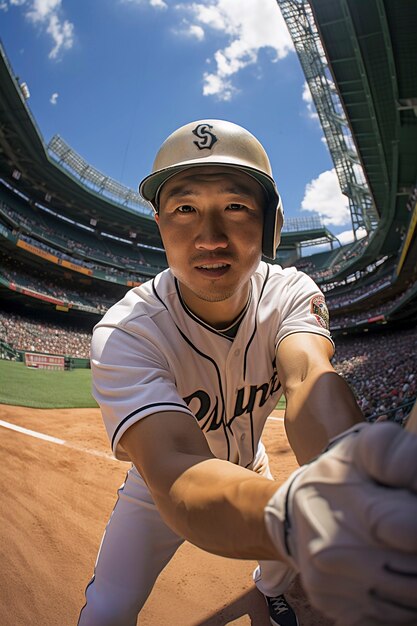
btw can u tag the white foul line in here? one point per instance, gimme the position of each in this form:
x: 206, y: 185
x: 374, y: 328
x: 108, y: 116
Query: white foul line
x: 61, y: 442
x: 74, y: 446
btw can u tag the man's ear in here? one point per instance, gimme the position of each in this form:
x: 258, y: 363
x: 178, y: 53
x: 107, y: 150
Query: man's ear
x: 156, y: 217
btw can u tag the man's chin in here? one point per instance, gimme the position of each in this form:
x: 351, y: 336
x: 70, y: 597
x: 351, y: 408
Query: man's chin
x: 215, y: 296
x: 211, y: 294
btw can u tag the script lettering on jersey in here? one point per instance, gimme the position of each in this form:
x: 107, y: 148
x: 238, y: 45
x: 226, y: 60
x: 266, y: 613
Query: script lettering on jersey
x: 209, y: 417
x: 206, y: 409
x: 256, y: 396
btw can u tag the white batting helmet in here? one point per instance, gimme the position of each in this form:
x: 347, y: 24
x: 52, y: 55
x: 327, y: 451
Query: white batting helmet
x: 217, y: 142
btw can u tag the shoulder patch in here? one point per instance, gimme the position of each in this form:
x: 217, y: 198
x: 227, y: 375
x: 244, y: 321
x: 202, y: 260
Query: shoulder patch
x: 320, y: 311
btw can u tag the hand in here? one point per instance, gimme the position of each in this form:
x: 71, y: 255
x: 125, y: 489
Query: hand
x: 348, y: 523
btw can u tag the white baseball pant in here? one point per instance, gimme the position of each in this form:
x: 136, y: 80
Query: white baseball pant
x: 137, y: 545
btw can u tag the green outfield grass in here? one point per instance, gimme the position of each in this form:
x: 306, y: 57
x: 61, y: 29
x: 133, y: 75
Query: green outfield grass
x: 281, y: 404
x: 49, y: 389
x: 44, y: 389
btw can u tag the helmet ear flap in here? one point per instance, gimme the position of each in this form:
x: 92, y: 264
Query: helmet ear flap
x: 273, y: 222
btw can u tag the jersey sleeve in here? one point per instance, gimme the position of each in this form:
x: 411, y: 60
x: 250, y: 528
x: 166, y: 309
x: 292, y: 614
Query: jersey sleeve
x: 303, y: 308
x: 131, y: 379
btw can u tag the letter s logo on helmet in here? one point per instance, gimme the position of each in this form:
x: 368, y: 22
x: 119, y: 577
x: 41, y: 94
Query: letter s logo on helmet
x: 206, y: 139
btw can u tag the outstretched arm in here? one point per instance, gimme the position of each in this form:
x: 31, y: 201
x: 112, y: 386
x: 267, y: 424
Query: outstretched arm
x: 352, y: 539
x: 213, y: 503
x: 320, y: 404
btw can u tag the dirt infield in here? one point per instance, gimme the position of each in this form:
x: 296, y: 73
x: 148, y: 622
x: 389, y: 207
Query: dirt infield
x: 56, y: 496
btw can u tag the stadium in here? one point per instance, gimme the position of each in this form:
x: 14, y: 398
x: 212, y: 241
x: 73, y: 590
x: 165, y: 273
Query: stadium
x: 74, y: 240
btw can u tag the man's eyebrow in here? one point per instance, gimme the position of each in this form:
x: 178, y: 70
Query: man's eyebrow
x: 180, y: 192
x: 237, y: 190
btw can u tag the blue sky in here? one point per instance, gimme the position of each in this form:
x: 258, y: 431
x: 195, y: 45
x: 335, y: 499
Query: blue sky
x: 114, y: 77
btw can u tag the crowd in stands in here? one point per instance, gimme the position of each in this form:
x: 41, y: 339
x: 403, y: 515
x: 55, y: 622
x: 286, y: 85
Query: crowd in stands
x: 333, y: 261
x: 352, y: 295
x: 381, y: 369
x: 126, y: 266
x: 306, y: 265
x: 28, y: 334
x: 107, y: 255
x: 72, y: 292
x: 123, y: 265
x: 376, y: 276
x: 120, y: 266
x: 109, y: 269
x: 43, y: 283
x: 350, y: 319
x: 411, y: 202
x: 340, y: 261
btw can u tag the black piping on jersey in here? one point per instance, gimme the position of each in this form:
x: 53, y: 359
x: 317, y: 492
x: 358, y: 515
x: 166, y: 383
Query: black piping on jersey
x: 309, y: 332
x: 195, y: 318
x: 205, y: 356
x: 251, y: 439
x: 228, y: 333
x: 256, y: 322
x: 142, y: 408
x: 245, y: 360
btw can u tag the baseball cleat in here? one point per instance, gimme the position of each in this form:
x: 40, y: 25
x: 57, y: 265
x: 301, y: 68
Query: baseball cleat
x: 280, y: 612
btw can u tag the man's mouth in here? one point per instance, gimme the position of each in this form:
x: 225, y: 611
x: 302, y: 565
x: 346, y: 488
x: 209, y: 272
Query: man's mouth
x: 213, y: 270
x: 212, y: 266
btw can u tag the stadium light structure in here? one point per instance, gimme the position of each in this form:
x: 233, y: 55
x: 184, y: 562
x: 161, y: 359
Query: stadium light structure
x: 90, y: 176
x: 25, y: 91
x: 312, y: 222
x: 301, y: 24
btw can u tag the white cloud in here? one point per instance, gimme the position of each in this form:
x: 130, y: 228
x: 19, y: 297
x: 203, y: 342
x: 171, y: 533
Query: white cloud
x: 62, y: 34
x: 41, y: 9
x: 347, y: 236
x: 54, y: 98
x: 249, y: 27
x: 214, y: 85
x: 158, y: 4
x: 193, y: 31
x: 46, y: 14
x: 4, y: 5
x: 196, y: 31
x: 308, y: 99
x: 323, y: 196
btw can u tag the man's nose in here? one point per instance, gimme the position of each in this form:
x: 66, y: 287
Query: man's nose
x: 212, y: 233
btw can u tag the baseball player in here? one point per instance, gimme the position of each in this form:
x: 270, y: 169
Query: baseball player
x: 186, y: 370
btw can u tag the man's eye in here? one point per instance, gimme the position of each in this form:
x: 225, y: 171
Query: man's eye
x: 234, y: 206
x: 185, y: 208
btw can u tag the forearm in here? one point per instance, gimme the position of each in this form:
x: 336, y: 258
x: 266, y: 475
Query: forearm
x: 319, y: 408
x: 219, y: 507
x: 212, y: 503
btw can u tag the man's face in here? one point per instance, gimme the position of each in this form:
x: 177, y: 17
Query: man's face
x: 211, y: 220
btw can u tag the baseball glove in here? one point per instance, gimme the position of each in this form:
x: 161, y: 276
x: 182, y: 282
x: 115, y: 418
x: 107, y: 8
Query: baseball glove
x: 347, y: 522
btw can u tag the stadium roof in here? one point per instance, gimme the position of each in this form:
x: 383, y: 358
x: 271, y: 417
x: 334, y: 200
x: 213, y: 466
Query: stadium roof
x: 372, y: 52
x: 26, y: 164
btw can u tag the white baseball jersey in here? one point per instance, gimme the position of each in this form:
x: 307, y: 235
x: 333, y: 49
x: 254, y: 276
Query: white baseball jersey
x: 150, y: 354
